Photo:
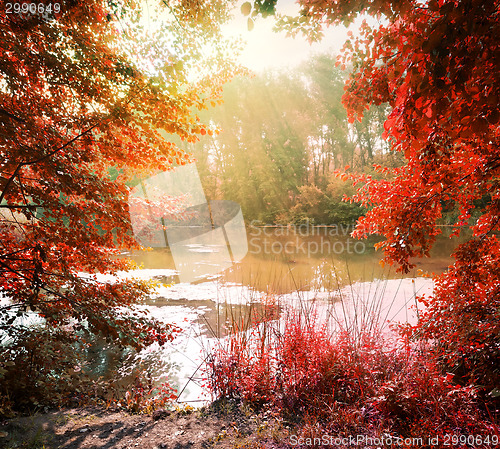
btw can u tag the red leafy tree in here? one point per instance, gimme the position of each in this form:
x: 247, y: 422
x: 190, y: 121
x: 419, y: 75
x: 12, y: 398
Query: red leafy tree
x: 437, y: 64
x: 87, y: 101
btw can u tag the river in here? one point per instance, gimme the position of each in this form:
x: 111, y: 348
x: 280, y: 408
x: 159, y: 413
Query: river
x: 283, y: 267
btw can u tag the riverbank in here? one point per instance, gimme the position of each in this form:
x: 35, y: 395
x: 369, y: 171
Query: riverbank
x: 228, y: 424
x: 222, y: 425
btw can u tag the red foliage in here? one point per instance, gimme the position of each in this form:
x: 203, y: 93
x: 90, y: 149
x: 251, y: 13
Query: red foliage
x: 301, y: 370
x: 79, y: 119
x: 437, y: 64
x: 463, y: 316
x: 298, y: 368
x: 81, y: 115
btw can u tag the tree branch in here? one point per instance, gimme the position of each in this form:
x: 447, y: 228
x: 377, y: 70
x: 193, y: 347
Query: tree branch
x: 41, y: 159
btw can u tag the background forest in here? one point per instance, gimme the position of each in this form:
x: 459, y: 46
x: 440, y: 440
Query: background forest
x: 285, y: 135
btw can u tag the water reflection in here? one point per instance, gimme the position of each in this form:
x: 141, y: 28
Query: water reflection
x: 218, y: 319
x: 282, y: 261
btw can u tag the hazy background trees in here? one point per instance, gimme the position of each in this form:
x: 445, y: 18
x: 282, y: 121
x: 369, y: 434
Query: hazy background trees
x: 284, y: 133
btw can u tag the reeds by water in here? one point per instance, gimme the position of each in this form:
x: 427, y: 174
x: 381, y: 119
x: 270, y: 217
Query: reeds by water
x: 335, y: 358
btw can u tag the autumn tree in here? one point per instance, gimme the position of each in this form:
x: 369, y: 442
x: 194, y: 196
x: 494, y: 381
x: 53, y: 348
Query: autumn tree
x: 437, y: 65
x: 89, y: 93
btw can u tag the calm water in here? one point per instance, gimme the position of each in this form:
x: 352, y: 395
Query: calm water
x: 324, y: 269
x: 282, y: 260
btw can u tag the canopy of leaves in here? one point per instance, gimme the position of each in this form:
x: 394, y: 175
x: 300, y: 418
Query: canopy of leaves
x: 89, y: 96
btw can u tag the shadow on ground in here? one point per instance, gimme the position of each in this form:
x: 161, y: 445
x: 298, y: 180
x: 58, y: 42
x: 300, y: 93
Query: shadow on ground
x: 90, y: 428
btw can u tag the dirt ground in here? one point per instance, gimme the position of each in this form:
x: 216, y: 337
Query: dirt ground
x: 220, y: 425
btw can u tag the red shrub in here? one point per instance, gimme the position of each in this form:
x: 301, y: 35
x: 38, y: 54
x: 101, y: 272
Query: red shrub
x: 463, y: 317
x: 302, y: 369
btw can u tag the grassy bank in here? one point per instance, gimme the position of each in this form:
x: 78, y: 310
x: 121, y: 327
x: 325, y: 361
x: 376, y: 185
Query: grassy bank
x: 349, y: 382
